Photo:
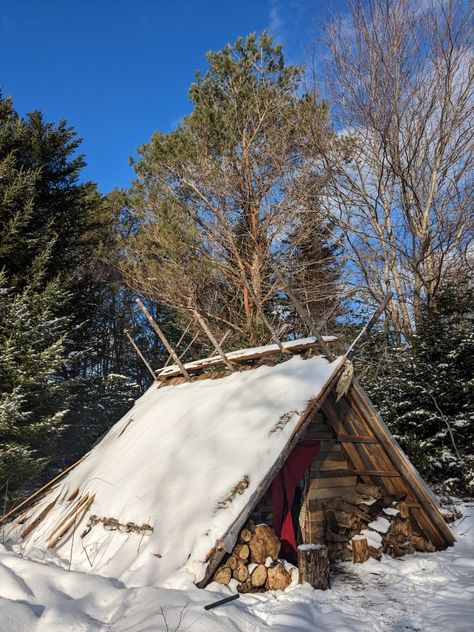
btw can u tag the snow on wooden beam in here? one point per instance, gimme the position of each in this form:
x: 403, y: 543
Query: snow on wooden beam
x: 244, y: 355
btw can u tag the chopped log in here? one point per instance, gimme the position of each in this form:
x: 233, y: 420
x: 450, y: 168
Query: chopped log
x: 347, y: 520
x: 240, y: 572
x: 231, y: 562
x: 258, y: 576
x: 369, y: 490
x: 331, y: 522
x: 403, y: 508
x: 400, y: 528
x: 245, y: 536
x: 313, y: 564
x: 223, y: 575
x: 278, y: 577
x: 246, y: 586
x: 360, y: 549
x: 263, y: 544
x: 421, y: 544
x: 242, y: 551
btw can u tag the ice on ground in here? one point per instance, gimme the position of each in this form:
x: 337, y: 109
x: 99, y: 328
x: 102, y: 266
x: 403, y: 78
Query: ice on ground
x: 425, y: 592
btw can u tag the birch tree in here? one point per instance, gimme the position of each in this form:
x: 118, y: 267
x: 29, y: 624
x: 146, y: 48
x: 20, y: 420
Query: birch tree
x: 400, y: 74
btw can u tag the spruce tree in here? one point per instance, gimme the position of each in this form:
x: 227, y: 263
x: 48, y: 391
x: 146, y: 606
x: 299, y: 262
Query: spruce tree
x: 33, y: 399
x: 425, y: 389
x: 55, y: 230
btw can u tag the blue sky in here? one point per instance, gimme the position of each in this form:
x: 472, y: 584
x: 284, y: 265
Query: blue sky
x: 118, y: 70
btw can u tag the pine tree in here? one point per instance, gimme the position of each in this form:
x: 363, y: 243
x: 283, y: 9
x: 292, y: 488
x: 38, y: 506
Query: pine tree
x: 216, y: 199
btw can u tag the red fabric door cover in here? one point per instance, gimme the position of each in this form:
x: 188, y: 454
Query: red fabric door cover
x: 282, y: 492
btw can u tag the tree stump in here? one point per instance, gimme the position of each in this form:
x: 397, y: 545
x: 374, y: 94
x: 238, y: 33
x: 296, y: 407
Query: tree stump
x: 313, y: 564
x: 360, y: 549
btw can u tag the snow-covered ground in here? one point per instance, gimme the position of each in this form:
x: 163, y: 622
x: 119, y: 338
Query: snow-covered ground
x: 423, y: 592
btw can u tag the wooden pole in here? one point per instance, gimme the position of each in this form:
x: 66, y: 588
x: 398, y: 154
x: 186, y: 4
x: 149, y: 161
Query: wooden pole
x: 162, y: 337
x: 208, y: 333
x: 179, y: 342
x: 38, y: 491
x: 303, y: 314
x: 273, y: 333
x: 366, y: 330
x: 144, y: 360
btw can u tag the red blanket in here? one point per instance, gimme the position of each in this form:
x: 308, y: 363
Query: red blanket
x: 282, y: 492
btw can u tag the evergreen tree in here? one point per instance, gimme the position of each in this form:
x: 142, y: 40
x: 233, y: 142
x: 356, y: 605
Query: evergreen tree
x: 33, y: 399
x: 216, y: 199
x: 425, y: 390
x: 55, y: 231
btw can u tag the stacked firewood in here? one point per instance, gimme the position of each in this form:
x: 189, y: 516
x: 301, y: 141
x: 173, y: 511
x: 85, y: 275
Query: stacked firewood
x: 380, y: 519
x: 254, y: 562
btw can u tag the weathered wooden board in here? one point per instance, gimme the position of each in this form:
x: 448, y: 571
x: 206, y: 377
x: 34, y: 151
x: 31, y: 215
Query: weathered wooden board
x: 242, y: 356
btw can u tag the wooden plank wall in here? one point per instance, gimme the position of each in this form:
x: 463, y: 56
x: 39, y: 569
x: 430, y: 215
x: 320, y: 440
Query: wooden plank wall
x: 350, y: 457
x: 329, y: 481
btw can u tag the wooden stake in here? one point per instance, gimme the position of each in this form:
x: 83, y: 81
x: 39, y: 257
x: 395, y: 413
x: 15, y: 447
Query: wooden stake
x: 303, y: 314
x: 144, y: 360
x: 208, y: 333
x: 162, y: 337
x: 366, y: 330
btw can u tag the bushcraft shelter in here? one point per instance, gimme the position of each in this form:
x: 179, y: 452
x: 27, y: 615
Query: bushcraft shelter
x: 162, y: 497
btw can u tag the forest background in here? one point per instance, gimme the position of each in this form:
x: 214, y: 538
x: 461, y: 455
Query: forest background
x: 352, y: 175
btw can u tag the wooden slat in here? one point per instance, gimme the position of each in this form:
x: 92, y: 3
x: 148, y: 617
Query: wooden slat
x: 333, y: 481
x: 328, y: 451
x: 351, y: 472
x: 328, y: 465
x: 356, y: 439
x: 322, y: 436
x: 330, y: 492
x: 244, y: 355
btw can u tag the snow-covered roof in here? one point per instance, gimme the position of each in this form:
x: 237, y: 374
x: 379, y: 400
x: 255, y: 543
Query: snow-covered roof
x: 185, y: 460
